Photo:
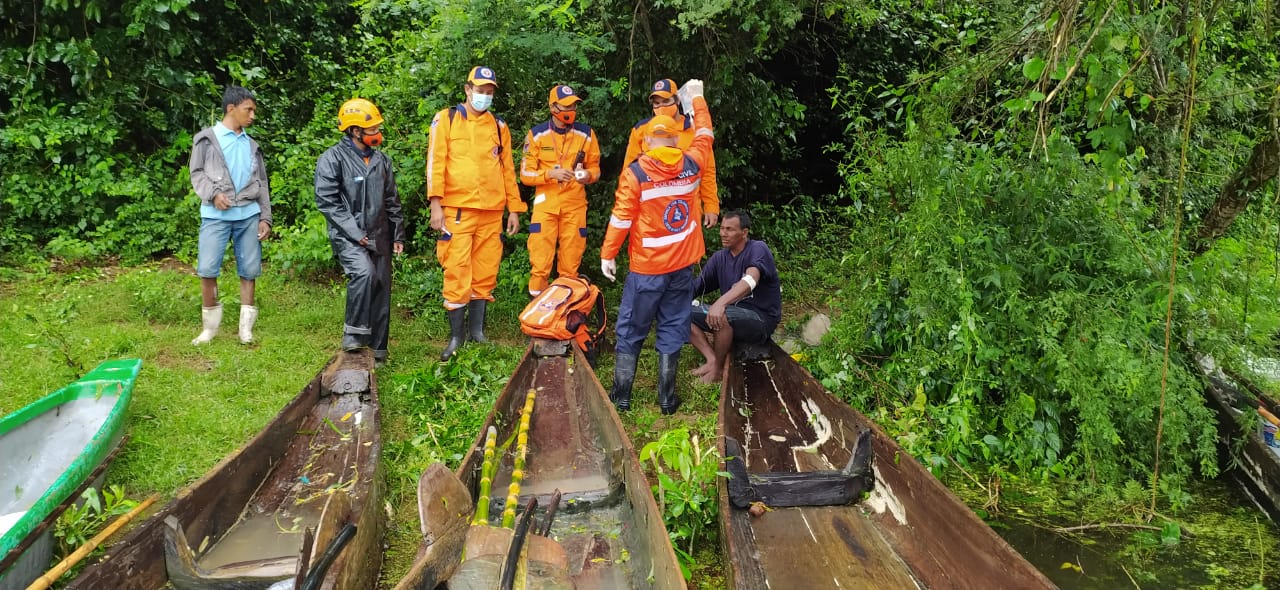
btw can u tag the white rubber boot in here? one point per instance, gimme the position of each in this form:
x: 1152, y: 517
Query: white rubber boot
x: 248, y: 315
x: 212, y: 317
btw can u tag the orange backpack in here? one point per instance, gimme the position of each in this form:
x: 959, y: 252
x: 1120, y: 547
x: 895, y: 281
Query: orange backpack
x: 564, y: 310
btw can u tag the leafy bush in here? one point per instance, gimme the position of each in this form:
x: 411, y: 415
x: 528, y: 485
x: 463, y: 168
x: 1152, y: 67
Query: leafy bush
x: 303, y: 247
x: 82, y: 521
x: 1021, y: 312
x: 686, y: 472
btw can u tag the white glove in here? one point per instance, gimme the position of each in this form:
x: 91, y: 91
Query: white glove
x: 687, y: 92
x: 609, y: 269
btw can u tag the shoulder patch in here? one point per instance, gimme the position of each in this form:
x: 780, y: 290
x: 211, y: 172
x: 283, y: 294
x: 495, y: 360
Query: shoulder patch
x: 643, y: 122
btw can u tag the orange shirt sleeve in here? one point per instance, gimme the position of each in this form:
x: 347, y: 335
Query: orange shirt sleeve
x: 514, y: 203
x: 709, y: 190
x: 437, y: 154
x: 531, y: 172
x: 703, y: 136
x: 626, y: 204
x: 592, y: 162
x: 635, y: 146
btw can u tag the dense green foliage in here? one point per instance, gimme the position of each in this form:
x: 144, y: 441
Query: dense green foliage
x: 1022, y: 239
x: 1002, y: 197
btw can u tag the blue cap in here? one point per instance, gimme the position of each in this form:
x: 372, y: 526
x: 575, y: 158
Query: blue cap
x: 481, y: 75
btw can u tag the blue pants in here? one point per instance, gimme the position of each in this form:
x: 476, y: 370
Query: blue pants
x: 243, y: 235
x: 645, y: 297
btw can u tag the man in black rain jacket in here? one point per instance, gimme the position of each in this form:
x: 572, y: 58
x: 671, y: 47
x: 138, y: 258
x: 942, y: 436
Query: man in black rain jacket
x: 356, y: 192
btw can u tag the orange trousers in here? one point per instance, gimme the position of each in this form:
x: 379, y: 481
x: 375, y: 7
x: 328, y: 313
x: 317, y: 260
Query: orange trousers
x: 469, y: 250
x: 569, y: 228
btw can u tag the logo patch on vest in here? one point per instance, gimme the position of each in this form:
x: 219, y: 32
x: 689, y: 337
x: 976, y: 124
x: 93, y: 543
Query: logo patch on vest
x: 676, y: 217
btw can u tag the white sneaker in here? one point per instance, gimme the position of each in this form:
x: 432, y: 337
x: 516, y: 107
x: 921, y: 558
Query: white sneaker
x: 211, y: 317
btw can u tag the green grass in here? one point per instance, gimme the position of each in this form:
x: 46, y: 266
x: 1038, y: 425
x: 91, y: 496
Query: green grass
x: 193, y: 406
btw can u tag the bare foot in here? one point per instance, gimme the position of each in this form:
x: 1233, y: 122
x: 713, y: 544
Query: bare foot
x: 711, y: 375
x: 701, y: 370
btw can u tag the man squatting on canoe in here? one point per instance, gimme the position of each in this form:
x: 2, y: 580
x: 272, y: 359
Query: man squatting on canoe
x: 750, y: 302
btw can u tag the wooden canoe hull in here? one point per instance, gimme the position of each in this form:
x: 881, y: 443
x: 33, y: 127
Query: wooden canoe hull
x: 316, y: 444
x: 607, y: 523
x: 910, y: 532
x: 1257, y: 466
x: 50, y: 451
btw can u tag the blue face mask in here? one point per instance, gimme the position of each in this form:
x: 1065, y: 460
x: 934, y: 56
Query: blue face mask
x: 481, y: 102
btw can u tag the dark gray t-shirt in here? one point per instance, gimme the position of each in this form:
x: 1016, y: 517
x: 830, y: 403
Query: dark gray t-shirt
x: 724, y: 269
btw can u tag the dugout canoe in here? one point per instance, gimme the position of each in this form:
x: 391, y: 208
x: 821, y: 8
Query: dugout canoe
x: 847, y: 507
x: 1243, y: 454
x: 50, y: 452
x: 607, y: 531
x: 301, y: 501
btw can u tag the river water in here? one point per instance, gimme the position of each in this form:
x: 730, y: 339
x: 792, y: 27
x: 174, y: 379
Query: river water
x: 1229, y: 543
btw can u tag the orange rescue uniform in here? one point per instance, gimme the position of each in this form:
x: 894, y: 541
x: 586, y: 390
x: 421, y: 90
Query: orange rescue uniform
x: 709, y: 190
x: 657, y: 205
x: 471, y: 170
x: 559, y: 208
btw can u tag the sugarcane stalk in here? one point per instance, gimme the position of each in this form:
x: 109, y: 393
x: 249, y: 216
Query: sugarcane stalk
x: 517, y: 471
x: 487, y: 469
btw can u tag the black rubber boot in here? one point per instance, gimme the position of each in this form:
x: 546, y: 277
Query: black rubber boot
x: 624, y: 375
x: 668, y: 401
x: 477, y: 307
x: 457, y: 332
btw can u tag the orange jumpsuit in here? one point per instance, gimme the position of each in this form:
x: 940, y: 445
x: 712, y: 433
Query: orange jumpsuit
x: 559, y: 208
x: 471, y: 170
x: 709, y: 190
x: 655, y: 205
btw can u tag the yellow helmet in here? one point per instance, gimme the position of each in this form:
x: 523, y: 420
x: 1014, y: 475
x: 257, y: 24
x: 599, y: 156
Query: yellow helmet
x: 358, y: 112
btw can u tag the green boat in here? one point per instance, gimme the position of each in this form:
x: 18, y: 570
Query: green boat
x: 50, y: 451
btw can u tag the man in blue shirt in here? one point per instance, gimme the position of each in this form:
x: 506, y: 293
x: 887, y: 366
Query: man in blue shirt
x: 750, y: 305
x: 228, y: 174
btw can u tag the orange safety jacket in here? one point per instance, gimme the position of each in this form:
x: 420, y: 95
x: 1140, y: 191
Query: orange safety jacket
x: 709, y: 190
x: 469, y: 162
x: 546, y: 148
x: 657, y: 205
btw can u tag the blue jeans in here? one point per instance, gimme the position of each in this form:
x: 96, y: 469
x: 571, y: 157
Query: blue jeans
x: 243, y: 235
x: 648, y: 297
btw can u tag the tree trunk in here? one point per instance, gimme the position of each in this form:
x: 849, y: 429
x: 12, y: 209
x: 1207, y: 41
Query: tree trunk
x: 1261, y: 167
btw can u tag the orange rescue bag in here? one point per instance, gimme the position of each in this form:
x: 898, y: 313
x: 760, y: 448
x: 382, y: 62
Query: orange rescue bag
x: 571, y: 308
